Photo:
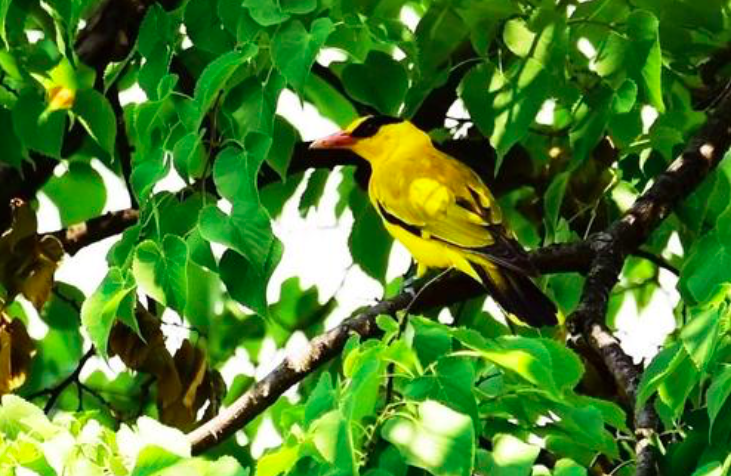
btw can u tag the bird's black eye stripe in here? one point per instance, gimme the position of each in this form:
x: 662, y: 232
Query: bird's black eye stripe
x: 394, y: 220
x: 370, y: 126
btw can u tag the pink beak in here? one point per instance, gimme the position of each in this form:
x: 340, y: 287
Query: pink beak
x: 339, y: 140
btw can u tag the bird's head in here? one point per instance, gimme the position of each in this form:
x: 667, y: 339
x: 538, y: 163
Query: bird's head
x: 376, y: 137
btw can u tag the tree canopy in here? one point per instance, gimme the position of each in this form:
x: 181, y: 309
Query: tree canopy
x: 600, y: 125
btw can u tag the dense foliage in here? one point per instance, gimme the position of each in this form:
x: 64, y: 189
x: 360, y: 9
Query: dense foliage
x: 570, y: 111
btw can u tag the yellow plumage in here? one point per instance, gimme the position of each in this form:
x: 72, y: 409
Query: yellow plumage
x: 441, y: 211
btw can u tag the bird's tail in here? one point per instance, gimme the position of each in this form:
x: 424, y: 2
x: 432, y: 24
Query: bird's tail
x: 517, y: 294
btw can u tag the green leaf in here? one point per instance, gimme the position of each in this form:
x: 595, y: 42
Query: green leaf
x: 450, y: 383
x: 625, y: 97
x: 361, y: 397
x: 4, y: 6
x: 205, y: 27
x: 331, y: 436
x: 503, y: 106
x: 114, y: 297
x: 294, y: 49
x: 247, y: 230
x: 266, y: 12
x: 510, y: 456
x: 370, y: 244
x: 438, y: 439
x: 527, y: 358
x: 707, y: 269
x: 278, y: 461
x: 298, y: 7
x: 566, y: 366
x: 20, y: 416
x: 79, y: 180
x: 645, y: 54
x: 161, y: 272
x: 518, y: 37
x: 700, y: 336
x: 36, y: 130
x: 247, y: 281
x: 590, y: 121
x: 97, y: 117
x: 254, y: 104
x: 552, y: 199
x: 329, y: 101
x: 567, y: 467
x: 12, y: 151
x: 152, y: 460
x: 321, y: 400
x: 380, y: 82
x: 283, y: 140
x: 189, y: 156
x: 154, y: 29
x: 213, y: 79
x: 718, y: 392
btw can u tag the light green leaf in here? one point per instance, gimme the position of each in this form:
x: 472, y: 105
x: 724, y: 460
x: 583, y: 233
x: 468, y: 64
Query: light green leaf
x: 278, y: 461
x: 518, y: 37
x: 161, y: 272
x: 380, y: 82
x: 331, y: 436
x: 510, y: 456
x: 438, y: 439
x: 294, y: 49
x: 701, y: 335
x: 114, y: 297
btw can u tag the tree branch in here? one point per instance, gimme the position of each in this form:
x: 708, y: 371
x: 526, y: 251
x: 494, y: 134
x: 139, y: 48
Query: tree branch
x: 623, y: 237
x: 78, y: 236
x: 56, y: 391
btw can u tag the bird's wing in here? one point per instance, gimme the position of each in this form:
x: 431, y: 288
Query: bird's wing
x: 456, y: 209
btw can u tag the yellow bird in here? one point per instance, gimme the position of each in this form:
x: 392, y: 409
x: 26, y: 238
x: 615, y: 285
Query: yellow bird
x: 441, y: 211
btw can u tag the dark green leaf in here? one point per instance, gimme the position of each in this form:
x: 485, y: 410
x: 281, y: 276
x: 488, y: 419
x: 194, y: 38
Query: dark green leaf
x: 36, y: 130
x: 12, y: 152
x: 79, y: 180
x: 97, y: 116
x: 283, y: 140
x: 380, y: 82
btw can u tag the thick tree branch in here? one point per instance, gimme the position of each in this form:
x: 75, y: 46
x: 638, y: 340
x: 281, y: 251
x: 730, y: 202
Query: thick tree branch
x: 623, y: 237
